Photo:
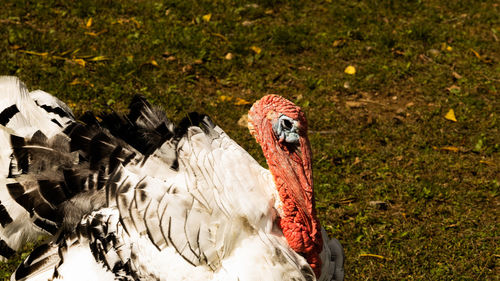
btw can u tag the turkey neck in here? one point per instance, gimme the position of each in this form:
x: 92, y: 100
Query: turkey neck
x: 291, y: 168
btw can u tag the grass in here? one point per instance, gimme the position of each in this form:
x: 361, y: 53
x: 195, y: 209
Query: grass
x: 377, y: 135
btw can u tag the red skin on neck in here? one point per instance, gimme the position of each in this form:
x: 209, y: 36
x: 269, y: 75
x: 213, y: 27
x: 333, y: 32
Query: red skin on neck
x: 292, y: 172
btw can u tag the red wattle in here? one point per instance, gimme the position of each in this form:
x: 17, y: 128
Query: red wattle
x: 292, y: 171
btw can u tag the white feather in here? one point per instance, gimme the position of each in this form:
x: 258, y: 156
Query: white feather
x: 31, y: 117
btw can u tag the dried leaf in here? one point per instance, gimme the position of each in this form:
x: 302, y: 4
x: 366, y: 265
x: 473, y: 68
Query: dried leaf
x: 476, y: 54
x: 243, y: 122
x: 456, y: 75
x: 482, y: 58
x: 356, y: 161
x: 75, y: 82
x: 351, y: 70
x: 154, y: 63
x: 240, y: 101
x: 450, y: 116
x: 225, y: 98
x: 381, y: 205
x: 99, y: 58
x: 89, y: 23
x: 95, y: 34
x: 450, y: 148
x: 78, y: 82
x: 247, y: 23
x: 220, y: 36
x: 338, y: 43
x: 354, y: 104
x: 80, y: 62
x: 454, y: 89
x: 207, y: 17
x: 446, y: 47
x: 137, y: 24
x: 44, y: 54
x: 228, y: 56
x: 170, y: 58
x: 487, y: 162
x: 256, y: 49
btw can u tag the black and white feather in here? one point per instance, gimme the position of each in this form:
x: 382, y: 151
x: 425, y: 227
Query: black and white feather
x: 24, y: 214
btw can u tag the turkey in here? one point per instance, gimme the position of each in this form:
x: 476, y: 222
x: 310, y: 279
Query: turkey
x: 136, y: 198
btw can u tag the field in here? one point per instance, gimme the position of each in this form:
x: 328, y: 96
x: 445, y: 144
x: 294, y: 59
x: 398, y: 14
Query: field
x: 402, y: 98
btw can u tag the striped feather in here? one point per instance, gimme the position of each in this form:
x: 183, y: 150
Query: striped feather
x: 20, y: 112
x: 58, y: 112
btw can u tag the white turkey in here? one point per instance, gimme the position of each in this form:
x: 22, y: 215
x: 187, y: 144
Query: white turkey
x: 135, y: 198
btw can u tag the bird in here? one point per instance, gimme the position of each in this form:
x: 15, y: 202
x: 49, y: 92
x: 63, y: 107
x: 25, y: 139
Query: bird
x: 135, y: 197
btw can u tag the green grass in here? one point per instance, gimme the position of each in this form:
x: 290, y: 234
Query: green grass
x: 378, y: 135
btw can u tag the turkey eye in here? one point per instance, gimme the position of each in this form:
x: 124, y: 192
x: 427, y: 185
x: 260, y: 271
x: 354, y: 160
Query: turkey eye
x: 286, y: 124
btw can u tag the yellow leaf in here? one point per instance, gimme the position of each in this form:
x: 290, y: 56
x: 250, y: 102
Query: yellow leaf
x: 487, y: 162
x: 337, y: 43
x: 89, y: 23
x: 137, y: 23
x: 450, y: 116
x: 449, y: 48
x: 75, y: 82
x: 154, y: 63
x: 482, y: 58
x: 450, y: 148
x: 351, y: 70
x: 225, y: 98
x: 476, y: 54
x: 220, y: 36
x: 80, y: 62
x: 256, y: 49
x: 44, y: 54
x: 99, y: 58
x: 240, y: 101
x: 207, y: 17
x: 95, y: 34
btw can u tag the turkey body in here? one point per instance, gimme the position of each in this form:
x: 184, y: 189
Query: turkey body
x: 136, y: 198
